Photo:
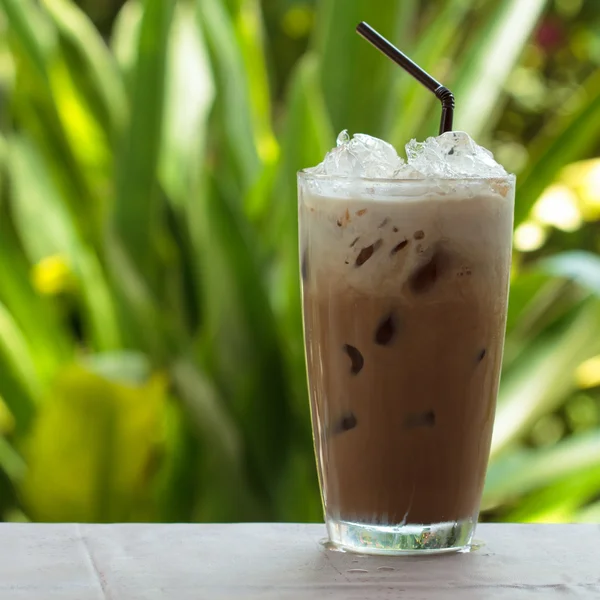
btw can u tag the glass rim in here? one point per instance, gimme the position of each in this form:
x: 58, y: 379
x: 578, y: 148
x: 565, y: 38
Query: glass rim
x: 306, y: 175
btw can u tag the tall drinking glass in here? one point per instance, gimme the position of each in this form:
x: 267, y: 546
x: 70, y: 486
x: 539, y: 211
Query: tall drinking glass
x: 405, y: 289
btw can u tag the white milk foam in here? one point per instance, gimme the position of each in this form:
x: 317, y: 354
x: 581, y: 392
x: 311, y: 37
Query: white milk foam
x: 364, y: 198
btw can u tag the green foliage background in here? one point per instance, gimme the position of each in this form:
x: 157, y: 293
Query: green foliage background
x: 151, y: 363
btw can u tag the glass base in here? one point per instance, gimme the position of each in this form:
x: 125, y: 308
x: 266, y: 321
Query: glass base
x: 435, y: 538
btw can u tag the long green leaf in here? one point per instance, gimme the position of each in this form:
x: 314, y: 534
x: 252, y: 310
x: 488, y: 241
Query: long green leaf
x: 36, y: 201
x: 580, y: 267
x: 564, y: 140
x: 164, y: 143
x: 352, y: 68
x: 527, y: 470
x: 545, y: 293
x: 11, y: 462
x: 209, y: 415
x: 136, y: 305
x: 548, y: 300
x: 234, y: 110
x: 241, y: 341
x: 137, y: 207
x: 491, y: 59
x: 189, y: 97
x: 558, y: 502
x: 94, y: 62
x: 125, y: 35
x: 190, y: 92
x: 19, y: 384
x: 36, y: 96
x: 37, y: 320
x: 39, y: 323
x: 408, y: 17
x: 35, y: 38
x: 251, y: 39
x: 539, y: 384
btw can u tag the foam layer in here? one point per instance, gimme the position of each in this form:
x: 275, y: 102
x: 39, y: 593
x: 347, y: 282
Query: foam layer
x: 373, y: 246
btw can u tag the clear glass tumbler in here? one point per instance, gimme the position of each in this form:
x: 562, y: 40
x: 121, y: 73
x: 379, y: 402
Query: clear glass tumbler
x: 405, y: 290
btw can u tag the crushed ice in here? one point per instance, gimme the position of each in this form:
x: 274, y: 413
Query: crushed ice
x: 362, y: 156
x: 451, y: 155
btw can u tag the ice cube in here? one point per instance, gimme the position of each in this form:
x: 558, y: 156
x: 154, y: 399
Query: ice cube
x: 452, y: 155
x: 361, y: 156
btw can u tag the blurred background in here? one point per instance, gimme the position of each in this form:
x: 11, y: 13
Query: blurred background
x: 151, y: 363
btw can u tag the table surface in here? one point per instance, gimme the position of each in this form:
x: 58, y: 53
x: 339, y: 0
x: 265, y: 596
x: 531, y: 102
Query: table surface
x: 285, y: 562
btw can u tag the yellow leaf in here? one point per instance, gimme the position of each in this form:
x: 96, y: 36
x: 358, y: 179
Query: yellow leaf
x: 92, y: 449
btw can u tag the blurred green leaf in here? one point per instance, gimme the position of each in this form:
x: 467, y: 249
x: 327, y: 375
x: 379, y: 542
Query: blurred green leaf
x: 524, y: 471
x: 19, y: 384
x: 234, y: 110
x: 489, y: 61
x: 589, y: 514
x: 178, y: 480
x: 38, y: 202
x: 241, y: 341
x: 189, y: 97
x: 536, y: 386
x: 580, y: 267
x: 537, y: 303
x: 92, y: 61
x: 36, y: 318
x: 408, y: 16
x: 308, y: 134
x: 136, y: 211
x: 524, y: 292
x: 251, y: 39
x: 37, y: 98
x: 8, y: 497
x: 350, y: 67
x: 209, y: 414
x: 141, y: 326
x: 222, y: 445
x: 564, y: 139
x: 10, y: 462
x: 125, y: 35
x: 558, y: 502
x: 123, y: 367
x: 30, y: 31
x: 101, y: 468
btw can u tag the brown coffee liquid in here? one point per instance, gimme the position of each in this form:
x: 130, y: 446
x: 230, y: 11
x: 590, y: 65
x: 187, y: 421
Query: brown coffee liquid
x: 404, y: 332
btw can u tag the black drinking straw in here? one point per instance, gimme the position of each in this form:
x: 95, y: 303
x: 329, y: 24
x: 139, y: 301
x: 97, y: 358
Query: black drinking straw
x: 443, y: 93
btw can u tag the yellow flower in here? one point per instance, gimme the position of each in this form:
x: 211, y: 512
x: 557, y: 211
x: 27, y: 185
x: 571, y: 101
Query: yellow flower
x: 52, y: 275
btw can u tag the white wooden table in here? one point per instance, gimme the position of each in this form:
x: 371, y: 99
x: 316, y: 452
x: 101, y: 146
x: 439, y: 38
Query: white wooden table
x: 284, y: 562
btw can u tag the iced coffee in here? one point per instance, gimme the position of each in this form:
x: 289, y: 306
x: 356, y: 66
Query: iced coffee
x: 405, y: 271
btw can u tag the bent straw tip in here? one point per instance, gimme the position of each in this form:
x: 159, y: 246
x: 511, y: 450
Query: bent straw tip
x: 444, y: 94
